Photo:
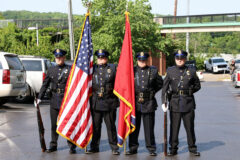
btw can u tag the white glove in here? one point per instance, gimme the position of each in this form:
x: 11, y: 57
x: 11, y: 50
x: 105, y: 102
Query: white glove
x: 164, y: 108
x: 37, y: 103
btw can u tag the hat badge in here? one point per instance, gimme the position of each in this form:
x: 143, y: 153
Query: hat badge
x: 58, y: 50
x: 141, y: 54
x: 179, y: 52
x: 100, y: 51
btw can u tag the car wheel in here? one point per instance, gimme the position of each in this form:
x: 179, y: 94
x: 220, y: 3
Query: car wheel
x: 2, y: 101
x: 235, y: 85
x: 25, y: 97
x: 206, y: 68
x: 212, y: 70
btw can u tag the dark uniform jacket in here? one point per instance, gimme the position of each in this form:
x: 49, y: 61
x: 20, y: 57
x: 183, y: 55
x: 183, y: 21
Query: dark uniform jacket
x: 181, y: 91
x: 147, y: 83
x: 103, y: 80
x: 56, y: 79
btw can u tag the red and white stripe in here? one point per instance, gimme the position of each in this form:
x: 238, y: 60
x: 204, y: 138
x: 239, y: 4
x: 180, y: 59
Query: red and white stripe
x: 75, y: 121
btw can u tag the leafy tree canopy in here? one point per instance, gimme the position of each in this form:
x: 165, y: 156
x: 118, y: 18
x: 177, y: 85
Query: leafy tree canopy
x: 108, y: 26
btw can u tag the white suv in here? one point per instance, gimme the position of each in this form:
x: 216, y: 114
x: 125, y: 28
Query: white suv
x: 36, y: 69
x: 12, y: 77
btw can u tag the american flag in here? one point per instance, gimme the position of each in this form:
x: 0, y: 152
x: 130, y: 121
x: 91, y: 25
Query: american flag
x: 75, y: 120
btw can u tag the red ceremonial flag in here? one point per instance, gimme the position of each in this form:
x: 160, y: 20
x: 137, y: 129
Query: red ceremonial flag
x: 124, y: 87
x: 75, y: 120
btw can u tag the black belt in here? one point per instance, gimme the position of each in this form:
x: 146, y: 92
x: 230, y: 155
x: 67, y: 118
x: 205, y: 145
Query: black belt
x: 144, y: 96
x: 184, y: 93
x: 102, y: 91
x: 58, y: 90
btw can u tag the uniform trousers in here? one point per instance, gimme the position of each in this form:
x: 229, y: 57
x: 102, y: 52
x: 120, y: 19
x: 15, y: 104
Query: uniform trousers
x: 109, y: 119
x: 54, y: 136
x: 175, y: 122
x: 148, y: 124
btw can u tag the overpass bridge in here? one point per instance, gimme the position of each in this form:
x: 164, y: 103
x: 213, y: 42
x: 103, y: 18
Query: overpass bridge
x: 200, y: 23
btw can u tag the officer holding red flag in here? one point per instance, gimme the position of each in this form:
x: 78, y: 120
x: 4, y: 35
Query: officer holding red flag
x: 147, y: 83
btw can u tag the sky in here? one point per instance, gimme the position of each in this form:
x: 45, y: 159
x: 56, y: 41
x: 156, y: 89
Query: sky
x: 163, y: 7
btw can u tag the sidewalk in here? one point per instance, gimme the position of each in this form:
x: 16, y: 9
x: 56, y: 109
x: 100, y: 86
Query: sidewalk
x: 210, y: 77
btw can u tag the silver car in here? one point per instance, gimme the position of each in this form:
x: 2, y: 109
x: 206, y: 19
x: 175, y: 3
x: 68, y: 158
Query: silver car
x: 12, y: 77
x: 36, y: 70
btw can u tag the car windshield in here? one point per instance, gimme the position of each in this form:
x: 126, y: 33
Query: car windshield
x: 14, y: 62
x: 0, y: 65
x: 32, y: 65
x: 237, y: 61
x: 218, y: 60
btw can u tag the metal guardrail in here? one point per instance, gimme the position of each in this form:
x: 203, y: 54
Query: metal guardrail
x: 207, y: 18
x: 42, y: 23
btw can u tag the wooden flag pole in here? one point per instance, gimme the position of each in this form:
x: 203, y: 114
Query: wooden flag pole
x: 125, y: 147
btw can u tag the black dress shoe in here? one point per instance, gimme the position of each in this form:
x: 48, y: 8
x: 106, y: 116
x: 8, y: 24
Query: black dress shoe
x: 115, y: 152
x: 131, y: 152
x: 195, y: 153
x: 51, y: 149
x: 152, y: 153
x: 172, y: 153
x: 72, y: 151
x: 92, y: 151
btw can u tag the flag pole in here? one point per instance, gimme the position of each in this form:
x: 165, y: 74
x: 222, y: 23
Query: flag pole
x: 88, y: 4
x: 125, y: 143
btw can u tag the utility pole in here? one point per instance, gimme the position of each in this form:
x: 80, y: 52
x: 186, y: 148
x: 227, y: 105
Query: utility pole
x: 175, y: 14
x: 70, y: 26
x: 187, y: 34
x: 37, y: 33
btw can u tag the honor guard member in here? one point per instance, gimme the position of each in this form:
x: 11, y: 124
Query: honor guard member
x: 181, y: 82
x: 103, y: 102
x: 56, y: 79
x: 147, y: 83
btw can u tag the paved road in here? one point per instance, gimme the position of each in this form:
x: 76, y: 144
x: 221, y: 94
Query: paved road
x: 217, y: 130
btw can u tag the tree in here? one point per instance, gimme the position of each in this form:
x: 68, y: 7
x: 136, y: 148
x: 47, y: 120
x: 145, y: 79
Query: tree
x: 108, y: 22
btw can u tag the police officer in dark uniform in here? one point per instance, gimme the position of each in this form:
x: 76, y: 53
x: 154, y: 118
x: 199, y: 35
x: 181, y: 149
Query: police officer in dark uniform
x: 103, y: 102
x: 181, y: 82
x: 56, y: 79
x: 147, y: 83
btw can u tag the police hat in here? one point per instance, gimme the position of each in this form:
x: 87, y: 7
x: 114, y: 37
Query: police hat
x: 59, y: 52
x: 180, y: 54
x: 101, y: 53
x: 142, y: 56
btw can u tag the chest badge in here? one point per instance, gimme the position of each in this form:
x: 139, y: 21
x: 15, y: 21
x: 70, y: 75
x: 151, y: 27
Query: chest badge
x: 66, y: 71
x: 188, y: 73
x: 109, y: 70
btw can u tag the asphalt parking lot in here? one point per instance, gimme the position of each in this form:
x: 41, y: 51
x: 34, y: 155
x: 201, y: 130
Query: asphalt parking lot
x: 217, y: 126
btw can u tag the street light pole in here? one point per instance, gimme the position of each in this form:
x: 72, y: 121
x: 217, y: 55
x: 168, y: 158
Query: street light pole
x: 71, y: 34
x: 37, y: 33
x: 175, y: 14
x: 187, y: 34
x: 35, y: 28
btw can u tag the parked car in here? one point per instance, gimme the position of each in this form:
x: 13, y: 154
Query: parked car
x: 236, y: 77
x: 36, y: 70
x: 192, y: 63
x: 216, y: 64
x: 12, y: 77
